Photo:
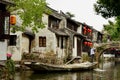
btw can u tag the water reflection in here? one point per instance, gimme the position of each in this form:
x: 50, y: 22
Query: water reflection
x: 28, y: 75
x: 111, y: 72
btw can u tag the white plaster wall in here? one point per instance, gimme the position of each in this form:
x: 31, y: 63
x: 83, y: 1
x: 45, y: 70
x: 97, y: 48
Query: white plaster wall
x: 50, y: 38
x: 51, y: 41
x: 25, y: 44
x: 60, y: 52
x: 75, y: 47
x: 22, y: 44
x: 45, y: 20
x: 79, y: 30
x: 3, y: 50
x: 16, y: 50
x: 63, y: 23
x: 94, y: 36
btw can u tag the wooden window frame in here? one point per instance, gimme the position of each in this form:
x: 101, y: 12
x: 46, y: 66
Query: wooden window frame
x: 4, y: 25
x: 42, y: 41
x: 53, y: 22
x: 63, y: 42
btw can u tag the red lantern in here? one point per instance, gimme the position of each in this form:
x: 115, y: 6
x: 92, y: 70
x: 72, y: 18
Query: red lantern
x: 90, y: 30
x: 13, y: 19
x: 84, y: 31
x: 85, y: 43
x: 84, y: 28
x: 90, y: 44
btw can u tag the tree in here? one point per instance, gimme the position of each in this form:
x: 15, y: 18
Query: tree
x: 31, y: 13
x: 113, y: 29
x: 70, y: 14
x: 107, y: 8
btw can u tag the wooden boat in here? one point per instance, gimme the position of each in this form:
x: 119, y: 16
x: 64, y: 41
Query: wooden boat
x: 37, y: 66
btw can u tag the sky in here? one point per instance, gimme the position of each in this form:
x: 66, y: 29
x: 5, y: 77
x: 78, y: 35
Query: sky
x: 82, y: 9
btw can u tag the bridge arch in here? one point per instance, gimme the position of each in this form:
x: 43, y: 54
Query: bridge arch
x: 101, y: 48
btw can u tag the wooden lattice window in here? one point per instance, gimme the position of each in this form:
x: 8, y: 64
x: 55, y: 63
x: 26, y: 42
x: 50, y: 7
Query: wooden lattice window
x: 42, y: 41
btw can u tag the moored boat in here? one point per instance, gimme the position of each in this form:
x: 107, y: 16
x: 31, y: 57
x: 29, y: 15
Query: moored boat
x: 37, y: 66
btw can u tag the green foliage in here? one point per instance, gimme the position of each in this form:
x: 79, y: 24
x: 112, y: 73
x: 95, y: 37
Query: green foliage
x: 30, y: 57
x: 2, y: 72
x: 105, y: 38
x: 31, y: 13
x: 10, y: 66
x: 107, y: 8
x: 109, y: 27
x: 70, y: 14
x: 113, y: 29
x: 101, y: 48
x: 85, y: 57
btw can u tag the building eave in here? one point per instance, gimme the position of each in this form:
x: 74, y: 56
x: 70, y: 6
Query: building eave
x: 7, y: 2
x: 76, y: 33
x: 29, y: 34
x: 59, y: 32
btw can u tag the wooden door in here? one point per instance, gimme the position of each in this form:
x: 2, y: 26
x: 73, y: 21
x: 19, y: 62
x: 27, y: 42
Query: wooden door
x: 78, y: 47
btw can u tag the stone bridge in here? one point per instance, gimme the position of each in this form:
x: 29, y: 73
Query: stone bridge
x: 101, y: 48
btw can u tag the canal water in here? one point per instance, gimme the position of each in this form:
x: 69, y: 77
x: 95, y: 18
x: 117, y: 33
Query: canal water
x: 106, y: 71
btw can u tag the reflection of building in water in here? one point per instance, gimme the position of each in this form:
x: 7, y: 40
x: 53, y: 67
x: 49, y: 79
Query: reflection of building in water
x: 106, y: 65
x: 74, y: 76
x: 84, y: 76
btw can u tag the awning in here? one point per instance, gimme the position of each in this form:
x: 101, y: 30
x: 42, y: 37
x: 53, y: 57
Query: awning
x: 29, y: 34
x: 79, y: 35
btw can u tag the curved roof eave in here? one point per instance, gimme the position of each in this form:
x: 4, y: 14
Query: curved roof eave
x: 7, y: 2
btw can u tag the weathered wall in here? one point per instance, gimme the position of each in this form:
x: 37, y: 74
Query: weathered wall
x: 75, y: 47
x: 51, y: 41
x: 95, y: 33
x: 25, y: 44
x: 3, y: 50
x: 17, y: 49
x: 79, y: 30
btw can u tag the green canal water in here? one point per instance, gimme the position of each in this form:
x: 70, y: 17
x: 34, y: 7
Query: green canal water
x: 106, y: 71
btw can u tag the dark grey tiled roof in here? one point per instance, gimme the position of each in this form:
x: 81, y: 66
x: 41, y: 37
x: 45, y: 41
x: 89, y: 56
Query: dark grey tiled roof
x: 29, y: 33
x: 64, y: 32
x: 76, y: 33
x: 8, y: 2
x: 60, y: 32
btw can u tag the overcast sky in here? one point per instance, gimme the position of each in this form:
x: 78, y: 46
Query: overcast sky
x: 82, y: 9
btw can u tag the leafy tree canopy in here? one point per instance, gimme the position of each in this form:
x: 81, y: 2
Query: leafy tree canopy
x: 107, y: 8
x: 70, y: 14
x: 113, y: 29
x: 31, y: 12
